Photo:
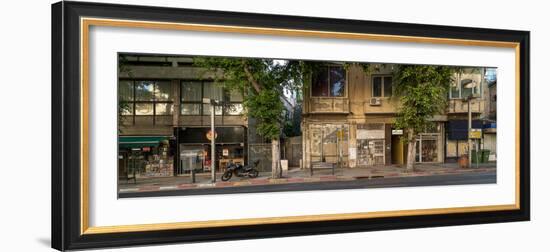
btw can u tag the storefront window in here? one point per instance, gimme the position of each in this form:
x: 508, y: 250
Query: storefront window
x: 426, y: 149
x: 370, y: 144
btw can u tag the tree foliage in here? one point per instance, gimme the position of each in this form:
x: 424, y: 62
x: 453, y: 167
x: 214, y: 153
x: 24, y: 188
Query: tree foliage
x: 422, y: 91
x: 263, y: 82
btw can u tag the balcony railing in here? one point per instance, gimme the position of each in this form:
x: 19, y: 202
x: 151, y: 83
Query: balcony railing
x: 329, y: 105
x: 461, y: 106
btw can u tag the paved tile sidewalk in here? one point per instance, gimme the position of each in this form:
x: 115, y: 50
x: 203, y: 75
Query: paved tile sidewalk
x: 296, y: 175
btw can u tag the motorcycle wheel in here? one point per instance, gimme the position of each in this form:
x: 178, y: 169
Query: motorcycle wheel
x: 253, y: 173
x: 227, y: 175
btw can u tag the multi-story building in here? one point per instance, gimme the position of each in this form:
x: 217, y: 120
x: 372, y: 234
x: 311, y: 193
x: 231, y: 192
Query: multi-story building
x: 163, y: 120
x: 349, y: 115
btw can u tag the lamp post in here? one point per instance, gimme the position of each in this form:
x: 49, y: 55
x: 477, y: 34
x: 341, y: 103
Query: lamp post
x: 212, y: 138
x: 470, y: 97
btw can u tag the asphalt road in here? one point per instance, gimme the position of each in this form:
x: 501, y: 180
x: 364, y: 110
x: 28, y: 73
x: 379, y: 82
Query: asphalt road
x: 435, y: 180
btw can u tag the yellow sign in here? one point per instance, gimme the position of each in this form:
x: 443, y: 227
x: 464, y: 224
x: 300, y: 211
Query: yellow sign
x: 340, y: 134
x: 475, y: 134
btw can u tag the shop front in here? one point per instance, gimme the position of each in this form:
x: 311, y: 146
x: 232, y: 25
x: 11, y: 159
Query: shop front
x: 145, y: 156
x: 195, y: 152
x: 371, y: 144
x: 429, y: 144
x: 457, y: 138
x: 329, y: 143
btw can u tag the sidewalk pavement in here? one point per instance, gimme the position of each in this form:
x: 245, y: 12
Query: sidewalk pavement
x: 297, y: 175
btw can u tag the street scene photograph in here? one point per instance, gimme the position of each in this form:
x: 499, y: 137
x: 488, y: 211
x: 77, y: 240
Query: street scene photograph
x: 195, y: 125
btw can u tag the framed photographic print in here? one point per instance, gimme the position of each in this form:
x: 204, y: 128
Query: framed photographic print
x: 180, y: 125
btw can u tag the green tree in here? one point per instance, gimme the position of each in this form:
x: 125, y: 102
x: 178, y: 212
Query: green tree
x: 262, y: 81
x: 422, y: 91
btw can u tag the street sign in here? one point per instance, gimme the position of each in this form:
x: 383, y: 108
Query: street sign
x: 397, y: 132
x: 475, y: 134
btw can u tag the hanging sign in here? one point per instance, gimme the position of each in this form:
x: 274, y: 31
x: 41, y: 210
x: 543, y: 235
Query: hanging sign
x: 209, y: 135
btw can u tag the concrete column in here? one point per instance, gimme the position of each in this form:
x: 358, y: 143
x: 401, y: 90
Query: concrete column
x: 176, y: 95
x: 352, y: 144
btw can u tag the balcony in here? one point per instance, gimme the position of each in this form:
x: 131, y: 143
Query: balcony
x: 461, y: 106
x: 331, y: 105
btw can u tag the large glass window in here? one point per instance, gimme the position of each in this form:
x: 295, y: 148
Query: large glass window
x: 329, y: 81
x: 145, y: 98
x: 337, y: 81
x: 192, y: 93
x: 382, y: 86
x: 191, y: 97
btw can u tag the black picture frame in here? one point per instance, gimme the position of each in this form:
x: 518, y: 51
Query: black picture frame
x: 66, y: 135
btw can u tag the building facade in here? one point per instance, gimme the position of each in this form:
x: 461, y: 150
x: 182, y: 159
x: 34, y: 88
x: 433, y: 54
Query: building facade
x: 348, y: 119
x: 164, y: 127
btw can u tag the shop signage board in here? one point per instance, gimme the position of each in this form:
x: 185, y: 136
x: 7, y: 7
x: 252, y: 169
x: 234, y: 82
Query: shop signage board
x: 397, y: 132
x: 475, y: 134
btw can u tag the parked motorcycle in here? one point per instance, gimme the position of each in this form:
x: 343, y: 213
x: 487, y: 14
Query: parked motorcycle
x: 240, y: 171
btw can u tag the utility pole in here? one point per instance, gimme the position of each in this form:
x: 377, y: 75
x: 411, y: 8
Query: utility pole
x: 212, y: 137
x: 213, y: 142
x: 469, y: 131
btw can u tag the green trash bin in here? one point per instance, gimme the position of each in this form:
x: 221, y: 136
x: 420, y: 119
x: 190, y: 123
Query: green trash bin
x: 476, y: 157
x: 485, y: 155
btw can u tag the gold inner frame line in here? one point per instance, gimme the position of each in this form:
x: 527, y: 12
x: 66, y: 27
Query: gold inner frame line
x: 85, y: 24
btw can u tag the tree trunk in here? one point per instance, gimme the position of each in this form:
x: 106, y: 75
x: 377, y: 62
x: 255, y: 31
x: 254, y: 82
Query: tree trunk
x: 411, y: 139
x: 275, y: 159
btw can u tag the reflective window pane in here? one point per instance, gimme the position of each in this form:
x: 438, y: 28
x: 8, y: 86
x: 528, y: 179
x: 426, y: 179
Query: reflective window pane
x: 163, y: 91
x: 337, y: 81
x: 144, y: 90
x: 387, y: 86
x: 191, y: 91
x: 126, y: 90
x: 468, y: 86
x: 126, y: 108
x: 164, y: 108
x: 213, y: 91
x: 377, y: 87
x: 319, y: 84
x: 190, y: 109
x: 144, y: 108
x: 206, y: 110
x: 234, y: 109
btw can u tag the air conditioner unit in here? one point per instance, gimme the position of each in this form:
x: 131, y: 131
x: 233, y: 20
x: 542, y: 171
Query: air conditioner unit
x: 375, y: 102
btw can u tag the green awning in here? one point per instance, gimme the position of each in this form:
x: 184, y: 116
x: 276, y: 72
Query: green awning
x: 140, y: 141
